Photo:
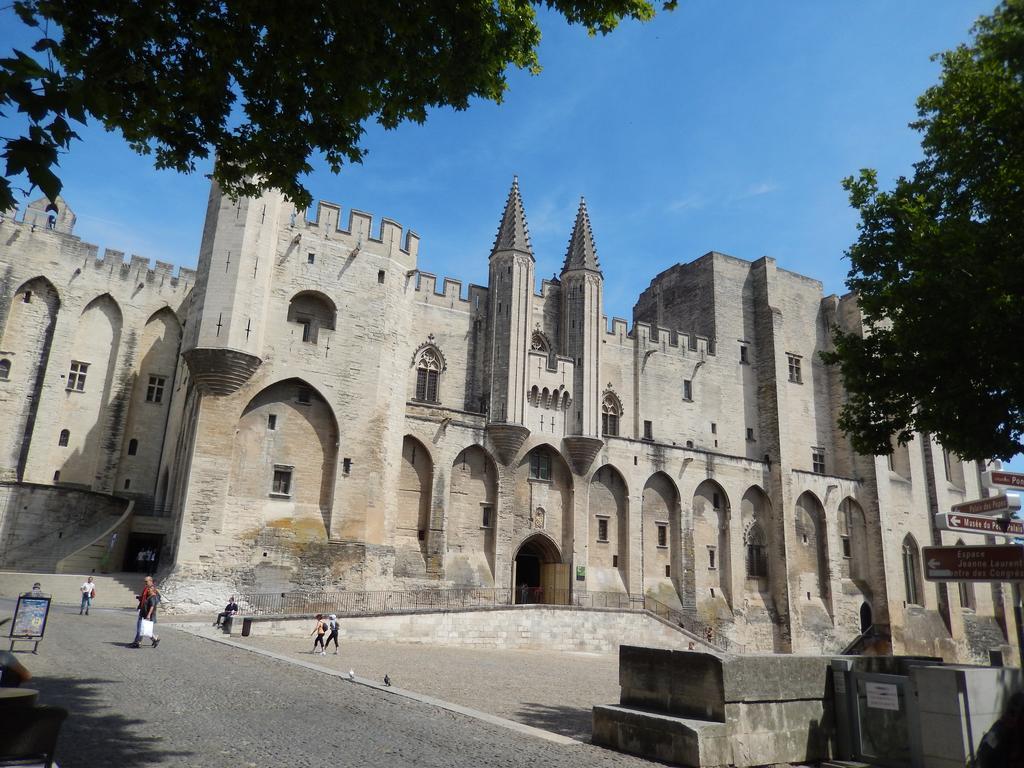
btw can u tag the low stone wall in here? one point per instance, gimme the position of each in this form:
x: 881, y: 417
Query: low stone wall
x: 696, y: 709
x: 544, y: 627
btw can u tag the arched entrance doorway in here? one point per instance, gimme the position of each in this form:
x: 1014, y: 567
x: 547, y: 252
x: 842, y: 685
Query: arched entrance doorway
x: 538, y: 574
x: 865, y: 617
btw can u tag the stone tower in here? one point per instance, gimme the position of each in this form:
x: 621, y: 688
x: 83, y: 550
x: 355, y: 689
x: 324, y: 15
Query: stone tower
x: 581, y: 334
x: 511, y: 290
x: 233, y: 282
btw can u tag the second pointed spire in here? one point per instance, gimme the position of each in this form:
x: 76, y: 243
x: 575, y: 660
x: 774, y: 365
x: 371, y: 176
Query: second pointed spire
x: 581, y: 253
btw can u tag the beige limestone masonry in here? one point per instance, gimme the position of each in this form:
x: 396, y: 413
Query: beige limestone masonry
x: 309, y: 410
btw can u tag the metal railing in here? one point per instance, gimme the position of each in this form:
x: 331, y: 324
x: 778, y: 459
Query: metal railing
x: 710, y: 634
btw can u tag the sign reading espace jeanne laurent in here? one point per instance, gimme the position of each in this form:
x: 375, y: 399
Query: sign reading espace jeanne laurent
x: 998, y: 562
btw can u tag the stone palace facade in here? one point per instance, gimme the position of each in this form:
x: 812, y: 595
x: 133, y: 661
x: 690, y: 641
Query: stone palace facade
x: 308, y: 410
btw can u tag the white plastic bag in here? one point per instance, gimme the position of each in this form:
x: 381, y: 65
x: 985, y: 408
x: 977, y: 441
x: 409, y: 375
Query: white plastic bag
x: 145, y: 628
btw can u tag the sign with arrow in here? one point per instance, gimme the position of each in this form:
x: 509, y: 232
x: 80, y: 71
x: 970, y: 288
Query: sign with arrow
x: 953, y: 521
x: 1003, y: 479
x: 993, y: 505
x: 997, y: 562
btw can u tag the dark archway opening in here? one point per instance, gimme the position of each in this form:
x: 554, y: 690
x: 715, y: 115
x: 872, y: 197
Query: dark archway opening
x: 540, y: 576
x: 865, y: 617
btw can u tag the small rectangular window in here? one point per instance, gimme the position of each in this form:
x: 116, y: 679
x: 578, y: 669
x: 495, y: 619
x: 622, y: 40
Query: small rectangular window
x: 795, y: 374
x: 487, y: 515
x: 127, y: 483
x: 668, y: 571
x: 540, y: 465
x: 743, y: 354
x: 818, y: 460
x: 56, y: 476
x: 304, y: 396
x: 155, y: 389
x: 714, y: 428
x: 272, y: 421
x: 711, y: 558
x: 76, y: 376
x: 310, y: 258
x: 687, y: 389
x: 648, y: 431
x: 602, y: 529
x: 307, y: 330
x: 380, y: 276
x: 750, y: 434
x: 346, y: 466
x: 615, y: 561
x: 846, y: 546
x: 282, y: 481
x: 662, y: 535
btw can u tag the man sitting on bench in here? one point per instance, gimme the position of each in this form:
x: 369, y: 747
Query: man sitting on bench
x: 229, y: 610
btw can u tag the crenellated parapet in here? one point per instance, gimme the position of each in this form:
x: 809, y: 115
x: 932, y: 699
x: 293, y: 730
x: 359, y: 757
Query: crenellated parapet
x: 450, y: 295
x: 87, y: 256
x: 648, y: 336
x: 327, y: 222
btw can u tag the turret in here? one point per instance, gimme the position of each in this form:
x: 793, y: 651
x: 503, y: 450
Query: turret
x: 582, y: 296
x: 511, y: 291
x: 233, y: 280
x: 511, y: 288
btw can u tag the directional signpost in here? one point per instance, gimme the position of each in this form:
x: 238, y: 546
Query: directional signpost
x: 1004, y: 504
x: 952, y: 521
x: 995, y: 562
x: 1003, y: 479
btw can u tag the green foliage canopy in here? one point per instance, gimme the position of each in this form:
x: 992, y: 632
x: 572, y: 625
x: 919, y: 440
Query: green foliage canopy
x: 262, y: 83
x: 939, y: 265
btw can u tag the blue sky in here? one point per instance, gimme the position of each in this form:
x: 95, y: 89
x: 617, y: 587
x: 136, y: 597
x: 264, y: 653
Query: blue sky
x: 726, y: 125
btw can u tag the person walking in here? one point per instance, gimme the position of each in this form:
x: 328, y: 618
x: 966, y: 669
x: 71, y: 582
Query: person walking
x: 148, y: 602
x: 332, y: 627
x: 88, y: 590
x: 319, y: 630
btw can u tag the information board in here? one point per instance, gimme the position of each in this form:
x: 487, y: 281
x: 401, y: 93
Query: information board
x: 30, y: 618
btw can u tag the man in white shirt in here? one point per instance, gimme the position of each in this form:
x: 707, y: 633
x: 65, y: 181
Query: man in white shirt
x: 88, y: 590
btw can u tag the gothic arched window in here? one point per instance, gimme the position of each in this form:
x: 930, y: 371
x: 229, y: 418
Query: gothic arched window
x: 64, y: 438
x: 428, y: 374
x: 757, y: 552
x: 911, y: 571
x: 610, y: 412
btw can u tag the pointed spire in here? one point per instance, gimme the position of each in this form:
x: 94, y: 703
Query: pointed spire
x: 581, y: 253
x: 513, y: 234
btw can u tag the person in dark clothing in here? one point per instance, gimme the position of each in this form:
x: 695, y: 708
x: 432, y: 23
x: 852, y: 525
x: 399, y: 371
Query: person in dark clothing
x: 229, y: 610
x: 1003, y: 745
x: 332, y: 628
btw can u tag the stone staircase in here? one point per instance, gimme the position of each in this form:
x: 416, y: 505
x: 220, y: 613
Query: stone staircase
x: 113, y: 590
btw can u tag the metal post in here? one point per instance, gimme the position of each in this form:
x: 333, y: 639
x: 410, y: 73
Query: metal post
x: 1018, y: 611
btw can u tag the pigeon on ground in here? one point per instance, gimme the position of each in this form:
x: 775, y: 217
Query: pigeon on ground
x: 351, y: 674
x: 387, y: 680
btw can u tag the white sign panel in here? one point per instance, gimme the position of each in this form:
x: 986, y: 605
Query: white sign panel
x: 883, y: 696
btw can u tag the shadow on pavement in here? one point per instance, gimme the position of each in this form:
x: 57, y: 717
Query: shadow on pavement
x: 94, y: 735
x: 574, y: 722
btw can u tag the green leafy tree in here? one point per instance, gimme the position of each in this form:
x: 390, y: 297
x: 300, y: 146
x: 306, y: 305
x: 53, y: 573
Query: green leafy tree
x: 939, y: 265
x: 264, y: 84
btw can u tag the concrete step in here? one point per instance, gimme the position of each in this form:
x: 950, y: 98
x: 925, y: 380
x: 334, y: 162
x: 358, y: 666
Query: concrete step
x: 113, y: 590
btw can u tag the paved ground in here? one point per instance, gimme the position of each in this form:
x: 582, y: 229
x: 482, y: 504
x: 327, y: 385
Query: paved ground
x: 199, y: 703
x: 549, y: 690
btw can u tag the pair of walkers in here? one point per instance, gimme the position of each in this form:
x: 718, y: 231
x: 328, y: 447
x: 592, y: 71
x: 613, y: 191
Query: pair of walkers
x: 325, y: 628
